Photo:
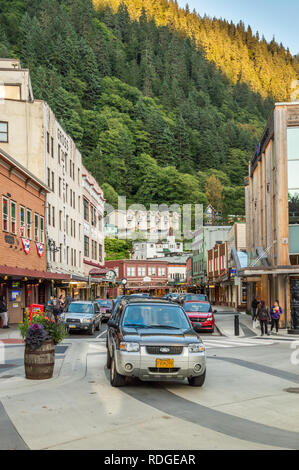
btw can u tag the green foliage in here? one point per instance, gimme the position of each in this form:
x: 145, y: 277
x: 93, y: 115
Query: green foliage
x: 56, y: 331
x: 158, y: 99
x: 117, y: 249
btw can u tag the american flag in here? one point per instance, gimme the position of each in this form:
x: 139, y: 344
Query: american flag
x: 26, y: 245
x: 39, y: 249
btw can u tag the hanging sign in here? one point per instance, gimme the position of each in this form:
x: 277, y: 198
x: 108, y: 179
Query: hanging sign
x: 26, y: 245
x: 39, y: 249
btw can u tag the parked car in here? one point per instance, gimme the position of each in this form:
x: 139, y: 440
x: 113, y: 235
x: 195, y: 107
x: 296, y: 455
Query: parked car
x: 82, y: 315
x: 106, y: 308
x: 196, y: 298
x: 201, y: 312
x: 153, y: 340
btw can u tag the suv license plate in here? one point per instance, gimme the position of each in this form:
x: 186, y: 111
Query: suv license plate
x: 164, y: 363
x: 72, y: 326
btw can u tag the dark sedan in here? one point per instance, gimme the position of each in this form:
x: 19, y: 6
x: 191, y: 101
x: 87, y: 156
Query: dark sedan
x: 106, y: 308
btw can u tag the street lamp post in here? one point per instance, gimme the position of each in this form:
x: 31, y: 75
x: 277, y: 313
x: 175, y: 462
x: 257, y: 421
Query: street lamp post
x: 124, y: 283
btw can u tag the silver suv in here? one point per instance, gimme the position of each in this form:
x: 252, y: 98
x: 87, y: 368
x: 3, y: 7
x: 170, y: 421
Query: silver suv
x: 154, y: 340
x: 82, y: 315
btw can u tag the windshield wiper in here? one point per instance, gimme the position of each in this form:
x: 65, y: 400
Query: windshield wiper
x: 134, y: 325
x: 163, y: 326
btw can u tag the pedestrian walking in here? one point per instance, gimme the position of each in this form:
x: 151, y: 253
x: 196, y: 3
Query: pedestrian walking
x: 3, y: 312
x: 56, y: 308
x: 62, y: 303
x: 68, y: 301
x: 254, y: 306
x: 263, y: 316
x: 276, y: 312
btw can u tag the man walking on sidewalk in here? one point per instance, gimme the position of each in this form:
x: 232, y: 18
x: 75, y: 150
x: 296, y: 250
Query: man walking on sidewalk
x: 3, y: 312
x: 263, y: 316
x: 254, y: 306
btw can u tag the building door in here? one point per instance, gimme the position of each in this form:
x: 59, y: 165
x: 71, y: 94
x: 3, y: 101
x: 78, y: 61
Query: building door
x: 295, y: 303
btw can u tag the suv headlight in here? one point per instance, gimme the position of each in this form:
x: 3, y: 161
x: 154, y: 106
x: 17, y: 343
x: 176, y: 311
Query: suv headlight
x: 87, y: 320
x: 129, y: 347
x: 196, y: 348
x: 210, y: 319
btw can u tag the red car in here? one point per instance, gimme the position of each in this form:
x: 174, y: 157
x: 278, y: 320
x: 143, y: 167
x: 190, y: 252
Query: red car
x: 201, y: 312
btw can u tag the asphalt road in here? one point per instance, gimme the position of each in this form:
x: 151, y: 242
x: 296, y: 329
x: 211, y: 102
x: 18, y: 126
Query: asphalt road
x: 249, y: 401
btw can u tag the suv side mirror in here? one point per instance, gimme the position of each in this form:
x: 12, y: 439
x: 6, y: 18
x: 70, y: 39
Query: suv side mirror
x: 112, y: 324
x: 215, y: 311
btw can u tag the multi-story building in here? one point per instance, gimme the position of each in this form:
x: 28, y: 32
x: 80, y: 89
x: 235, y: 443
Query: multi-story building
x: 272, y: 215
x: 218, y: 273
x: 93, y: 227
x: 142, y: 276
x: 148, y: 250
x: 30, y: 132
x: 23, y: 251
x: 177, y: 272
x: 204, y: 240
x: 149, y: 225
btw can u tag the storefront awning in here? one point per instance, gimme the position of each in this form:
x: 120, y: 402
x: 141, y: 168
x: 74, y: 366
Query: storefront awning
x: 16, y: 272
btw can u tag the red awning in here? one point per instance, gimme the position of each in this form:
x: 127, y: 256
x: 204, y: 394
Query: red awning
x: 98, y: 271
x: 33, y: 274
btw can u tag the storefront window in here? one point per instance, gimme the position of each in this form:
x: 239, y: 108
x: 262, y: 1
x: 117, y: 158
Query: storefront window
x: 293, y: 174
x: 13, y: 210
x: 36, y: 227
x: 28, y: 224
x: 22, y: 221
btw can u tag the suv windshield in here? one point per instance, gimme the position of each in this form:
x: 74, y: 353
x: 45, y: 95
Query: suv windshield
x: 155, y: 316
x: 80, y: 308
x: 104, y: 303
x: 197, y: 307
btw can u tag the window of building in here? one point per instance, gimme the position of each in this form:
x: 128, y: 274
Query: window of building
x: 53, y: 185
x: 141, y: 270
x: 59, y: 150
x: 13, y: 217
x: 36, y: 227
x: 60, y: 220
x: 100, y: 253
x: 86, y: 210
x: 293, y: 174
x: 4, y: 132
x: 49, y: 214
x: 48, y: 142
x: 49, y: 177
x: 66, y: 192
x: 59, y: 187
x: 67, y: 224
x: 29, y: 224
x: 131, y: 271
x: 52, y: 147
x: 53, y: 216
x: 5, y: 214
x: 42, y: 229
x: 60, y: 253
x: 86, y: 246
x: 151, y: 271
x: 22, y: 221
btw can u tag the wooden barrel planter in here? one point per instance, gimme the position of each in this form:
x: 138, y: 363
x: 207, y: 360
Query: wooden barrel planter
x: 39, y: 364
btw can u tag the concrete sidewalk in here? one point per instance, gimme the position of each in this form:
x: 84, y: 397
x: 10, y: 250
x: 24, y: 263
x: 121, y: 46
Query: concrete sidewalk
x: 12, y: 333
x: 225, y: 324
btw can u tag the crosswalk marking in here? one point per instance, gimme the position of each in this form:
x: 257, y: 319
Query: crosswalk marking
x: 227, y: 343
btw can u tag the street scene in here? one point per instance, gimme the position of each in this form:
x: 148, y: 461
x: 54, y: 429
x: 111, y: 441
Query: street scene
x: 149, y: 226
x: 251, y: 383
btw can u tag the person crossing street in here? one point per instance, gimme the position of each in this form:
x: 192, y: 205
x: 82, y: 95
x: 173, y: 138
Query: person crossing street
x: 263, y: 316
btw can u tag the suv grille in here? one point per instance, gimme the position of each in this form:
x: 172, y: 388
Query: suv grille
x: 156, y: 370
x: 71, y: 320
x: 198, y: 320
x: 174, y: 350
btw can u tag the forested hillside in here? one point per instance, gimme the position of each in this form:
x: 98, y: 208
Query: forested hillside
x: 164, y: 105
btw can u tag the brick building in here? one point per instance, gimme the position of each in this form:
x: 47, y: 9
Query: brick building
x: 217, y: 273
x: 142, y: 276
x: 23, y: 257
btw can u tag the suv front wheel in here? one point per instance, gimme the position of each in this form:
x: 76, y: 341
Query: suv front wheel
x: 116, y: 380
x: 197, y: 381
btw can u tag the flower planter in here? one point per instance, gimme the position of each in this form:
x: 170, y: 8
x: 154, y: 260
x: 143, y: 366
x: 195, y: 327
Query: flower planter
x: 39, y: 364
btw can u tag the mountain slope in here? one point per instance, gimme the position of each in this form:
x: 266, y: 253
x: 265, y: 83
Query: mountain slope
x: 155, y: 120
x: 266, y: 68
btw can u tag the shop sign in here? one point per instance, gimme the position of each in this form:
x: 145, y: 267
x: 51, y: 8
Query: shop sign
x: 9, y: 239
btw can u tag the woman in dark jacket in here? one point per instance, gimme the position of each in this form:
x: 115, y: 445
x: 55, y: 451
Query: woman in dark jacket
x: 263, y: 317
